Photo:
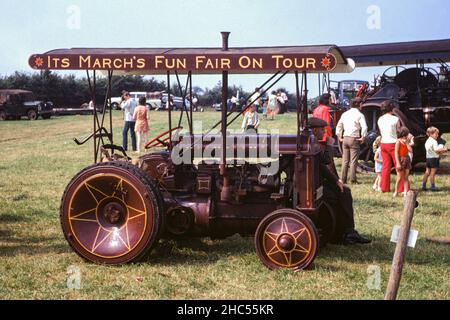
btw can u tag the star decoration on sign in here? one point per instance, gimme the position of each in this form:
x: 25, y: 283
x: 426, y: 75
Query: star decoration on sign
x: 326, y: 62
x: 38, y: 62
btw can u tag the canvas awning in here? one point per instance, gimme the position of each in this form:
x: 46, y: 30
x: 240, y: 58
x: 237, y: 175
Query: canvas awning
x: 320, y: 58
x: 398, y: 53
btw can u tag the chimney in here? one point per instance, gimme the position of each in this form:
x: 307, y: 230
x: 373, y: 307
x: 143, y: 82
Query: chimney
x: 225, y: 35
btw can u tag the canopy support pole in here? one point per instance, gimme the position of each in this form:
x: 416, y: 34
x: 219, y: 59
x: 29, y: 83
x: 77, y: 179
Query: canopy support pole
x: 225, y: 192
x: 169, y: 111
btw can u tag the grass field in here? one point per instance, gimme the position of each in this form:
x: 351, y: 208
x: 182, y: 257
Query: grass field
x: 39, y: 158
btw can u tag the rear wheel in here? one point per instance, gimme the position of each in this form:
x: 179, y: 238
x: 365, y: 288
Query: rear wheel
x: 286, y: 239
x: 111, y: 213
x: 32, y: 114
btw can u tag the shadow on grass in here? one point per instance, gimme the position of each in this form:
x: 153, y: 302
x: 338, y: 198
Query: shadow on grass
x: 7, y: 218
x: 11, y: 246
x: 198, y: 251
x: 382, y: 250
x: 204, y: 252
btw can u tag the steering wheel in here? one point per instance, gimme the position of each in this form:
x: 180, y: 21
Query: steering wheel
x: 399, y: 68
x: 162, y: 140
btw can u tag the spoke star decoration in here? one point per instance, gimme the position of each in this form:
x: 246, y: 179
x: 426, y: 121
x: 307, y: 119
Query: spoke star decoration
x: 39, y: 62
x: 287, y: 255
x: 103, y: 234
x: 326, y: 62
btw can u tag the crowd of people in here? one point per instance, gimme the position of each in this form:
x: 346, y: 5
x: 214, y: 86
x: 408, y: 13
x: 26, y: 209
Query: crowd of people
x: 269, y: 107
x: 393, y: 148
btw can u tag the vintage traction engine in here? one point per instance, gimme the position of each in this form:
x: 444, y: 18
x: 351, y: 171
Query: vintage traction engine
x: 115, y: 212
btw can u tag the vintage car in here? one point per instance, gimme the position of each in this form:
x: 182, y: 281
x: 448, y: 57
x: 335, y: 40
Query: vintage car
x: 16, y: 103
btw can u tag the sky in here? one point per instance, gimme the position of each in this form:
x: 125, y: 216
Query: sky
x: 29, y: 26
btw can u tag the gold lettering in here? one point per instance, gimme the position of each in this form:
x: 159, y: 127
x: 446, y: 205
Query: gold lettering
x: 181, y: 63
x: 82, y: 60
x: 141, y: 63
x: 158, y: 61
x: 128, y: 64
x: 257, y: 63
x: 97, y: 64
x: 65, y: 63
x: 168, y: 65
x: 117, y: 63
x: 312, y: 62
x: 198, y: 61
x: 209, y: 64
x: 300, y: 66
x: 287, y: 63
x: 226, y: 63
x: 106, y: 63
x: 277, y: 60
x: 244, y: 64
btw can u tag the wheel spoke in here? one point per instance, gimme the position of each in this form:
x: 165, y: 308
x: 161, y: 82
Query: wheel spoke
x: 284, y: 227
x: 300, y: 232
x: 103, y: 240
x: 272, y: 235
x: 96, y: 237
x: 273, y: 250
x: 300, y: 248
x: 82, y: 213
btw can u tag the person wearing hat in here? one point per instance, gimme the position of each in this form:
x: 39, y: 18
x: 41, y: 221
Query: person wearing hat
x: 335, y: 193
x: 351, y: 131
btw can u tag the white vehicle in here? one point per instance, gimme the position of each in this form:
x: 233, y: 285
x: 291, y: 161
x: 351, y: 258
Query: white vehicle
x: 153, y: 99
x: 116, y: 102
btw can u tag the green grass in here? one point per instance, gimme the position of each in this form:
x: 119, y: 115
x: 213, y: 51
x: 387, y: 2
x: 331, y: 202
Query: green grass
x: 39, y: 158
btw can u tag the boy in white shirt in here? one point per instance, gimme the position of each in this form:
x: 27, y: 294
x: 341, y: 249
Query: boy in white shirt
x: 433, y: 151
x: 251, y: 121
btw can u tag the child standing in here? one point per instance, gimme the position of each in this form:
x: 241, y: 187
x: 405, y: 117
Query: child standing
x: 378, y: 163
x: 141, y: 127
x: 402, y: 160
x: 251, y: 120
x: 433, y: 151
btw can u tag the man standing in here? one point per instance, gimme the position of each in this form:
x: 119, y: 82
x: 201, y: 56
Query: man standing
x: 335, y: 193
x: 351, y: 130
x: 128, y: 107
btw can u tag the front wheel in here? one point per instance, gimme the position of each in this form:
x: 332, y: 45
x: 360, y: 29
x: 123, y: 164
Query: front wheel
x: 111, y: 213
x: 32, y: 114
x: 286, y: 239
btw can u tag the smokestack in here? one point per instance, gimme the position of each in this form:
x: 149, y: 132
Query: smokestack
x: 225, y: 35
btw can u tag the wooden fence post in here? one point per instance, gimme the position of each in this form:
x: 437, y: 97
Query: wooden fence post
x: 400, y: 249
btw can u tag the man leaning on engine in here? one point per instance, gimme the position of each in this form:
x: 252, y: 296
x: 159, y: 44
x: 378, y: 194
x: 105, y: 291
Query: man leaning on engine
x: 335, y: 193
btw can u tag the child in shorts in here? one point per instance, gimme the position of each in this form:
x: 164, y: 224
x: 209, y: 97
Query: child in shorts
x: 433, y: 151
x: 378, y: 163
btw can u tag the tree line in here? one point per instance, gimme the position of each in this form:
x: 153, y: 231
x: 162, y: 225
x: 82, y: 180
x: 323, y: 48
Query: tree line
x: 72, y: 91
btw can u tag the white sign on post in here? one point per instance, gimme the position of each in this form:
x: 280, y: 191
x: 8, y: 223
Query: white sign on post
x: 412, y: 237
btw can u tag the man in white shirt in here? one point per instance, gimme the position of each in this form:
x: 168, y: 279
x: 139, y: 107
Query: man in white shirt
x: 128, y: 107
x: 351, y: 131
